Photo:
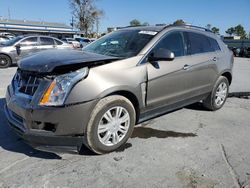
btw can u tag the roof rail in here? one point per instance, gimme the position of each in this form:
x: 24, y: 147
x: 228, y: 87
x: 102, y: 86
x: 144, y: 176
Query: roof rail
x: 189, y: 26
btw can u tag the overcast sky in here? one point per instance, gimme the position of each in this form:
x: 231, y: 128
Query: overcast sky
x: 219, y: 13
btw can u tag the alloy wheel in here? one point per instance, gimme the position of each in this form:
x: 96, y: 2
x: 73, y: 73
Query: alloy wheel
x: 221, y: 94
x: 113, y: 126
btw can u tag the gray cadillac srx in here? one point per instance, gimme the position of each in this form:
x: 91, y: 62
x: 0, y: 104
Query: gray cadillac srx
x: 62, y: 99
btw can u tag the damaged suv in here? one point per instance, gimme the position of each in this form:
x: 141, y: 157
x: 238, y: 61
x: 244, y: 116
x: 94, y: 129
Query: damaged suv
x: 64, y: 99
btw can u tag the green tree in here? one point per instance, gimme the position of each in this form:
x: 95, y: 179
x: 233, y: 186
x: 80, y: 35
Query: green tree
x: 240, y: 31
x: 230, y: 31
x: 86, y: 14
x: 179, y: 22
x: 135, y: 22
x: 215, y: 30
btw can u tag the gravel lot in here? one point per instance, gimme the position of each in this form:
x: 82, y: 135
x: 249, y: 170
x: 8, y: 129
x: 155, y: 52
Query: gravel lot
x: 190, y: 147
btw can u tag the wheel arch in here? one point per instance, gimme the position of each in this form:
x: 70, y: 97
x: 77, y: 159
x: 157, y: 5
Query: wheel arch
x: 228, y: 75
x: 131, y: 97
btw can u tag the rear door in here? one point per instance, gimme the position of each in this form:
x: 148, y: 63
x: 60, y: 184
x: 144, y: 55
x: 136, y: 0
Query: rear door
x: 200, y: 64
x: 46, y: 43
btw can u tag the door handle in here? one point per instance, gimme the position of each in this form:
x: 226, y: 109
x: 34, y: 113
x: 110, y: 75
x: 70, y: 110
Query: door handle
x: 185, y: 67
x: 215, y: 59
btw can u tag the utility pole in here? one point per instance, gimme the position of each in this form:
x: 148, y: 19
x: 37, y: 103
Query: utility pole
x: 9, y: 13
x: 97, y: 26
x: 72, y: 22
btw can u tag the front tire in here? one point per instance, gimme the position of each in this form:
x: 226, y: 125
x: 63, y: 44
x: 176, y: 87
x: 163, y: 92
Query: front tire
x: 5, y: 61
x: 111, y: 124
x: 218, y: 96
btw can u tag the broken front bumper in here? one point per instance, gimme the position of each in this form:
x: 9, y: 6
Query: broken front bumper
x: 47, y: 128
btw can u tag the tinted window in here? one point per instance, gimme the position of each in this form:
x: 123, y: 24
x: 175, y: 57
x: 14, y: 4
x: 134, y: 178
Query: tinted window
x: 46, y: 41
x: 31, y: 41
x: 86, y: 40
x: 214, y: 44
x: 198, y: 43
x: 173, y: 42
x: 58, y: 42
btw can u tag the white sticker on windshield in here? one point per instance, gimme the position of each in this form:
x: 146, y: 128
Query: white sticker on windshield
x: 148, y: 32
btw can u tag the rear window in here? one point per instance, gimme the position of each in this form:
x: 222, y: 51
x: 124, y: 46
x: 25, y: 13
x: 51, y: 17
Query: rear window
x: 198, y: 43
x: 46, y: 41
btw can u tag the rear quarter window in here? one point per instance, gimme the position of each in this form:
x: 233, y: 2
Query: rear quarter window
x: 214, y: 44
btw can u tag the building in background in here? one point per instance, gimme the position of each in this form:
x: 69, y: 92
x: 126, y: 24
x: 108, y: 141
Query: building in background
x: 23, y: 27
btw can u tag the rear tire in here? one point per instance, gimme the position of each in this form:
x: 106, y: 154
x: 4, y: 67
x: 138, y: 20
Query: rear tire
x: 5, y: 61
x: 111, y: 124
x: 218, y: 96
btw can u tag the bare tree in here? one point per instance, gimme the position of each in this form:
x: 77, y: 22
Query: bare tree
x: 86, y: 14
x: 98, y: 14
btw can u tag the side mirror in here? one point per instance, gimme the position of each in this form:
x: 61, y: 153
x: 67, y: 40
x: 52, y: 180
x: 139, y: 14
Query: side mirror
x: 18, y: 45
x: 18, y: 49
x: 161, y: 55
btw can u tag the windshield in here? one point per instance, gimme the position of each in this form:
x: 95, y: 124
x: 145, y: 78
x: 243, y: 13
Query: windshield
x: 12, y: 41
x: 123, y: 43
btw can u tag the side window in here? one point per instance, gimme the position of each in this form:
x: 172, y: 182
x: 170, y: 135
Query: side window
x: 58, y: 42
x: 31, y: 41
x: 172, y: 42
x: 86, y: 40
x: 46, y: 41
x: 198, y: 43
x: 214, y: 44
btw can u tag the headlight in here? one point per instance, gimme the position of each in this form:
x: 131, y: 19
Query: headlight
x: 60, y: 87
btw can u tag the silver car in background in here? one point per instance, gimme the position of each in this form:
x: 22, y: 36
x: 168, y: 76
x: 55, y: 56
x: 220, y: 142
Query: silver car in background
x: 13, y: 50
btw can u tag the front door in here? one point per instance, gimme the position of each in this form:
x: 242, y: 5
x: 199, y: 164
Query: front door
x: 167, y: 79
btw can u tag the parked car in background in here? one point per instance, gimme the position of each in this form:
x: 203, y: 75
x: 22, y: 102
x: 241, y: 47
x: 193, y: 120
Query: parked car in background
x: 246, y: 52
x: 92, y: 39
x: 73, y: 42
x: 13, y: 50
x: 9, y: 35
x: 96, y: 96
x: 240, y: 48
x: 3, y: 39
x: 83, y: 41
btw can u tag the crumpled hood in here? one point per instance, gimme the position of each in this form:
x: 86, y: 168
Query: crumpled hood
x: 47, y: 61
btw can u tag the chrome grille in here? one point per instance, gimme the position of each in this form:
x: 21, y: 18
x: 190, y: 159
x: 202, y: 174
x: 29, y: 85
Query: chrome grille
x: 26, y: 83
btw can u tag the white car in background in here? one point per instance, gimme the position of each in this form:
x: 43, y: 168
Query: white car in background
x: 83, y: 41
x: 73, y: 42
